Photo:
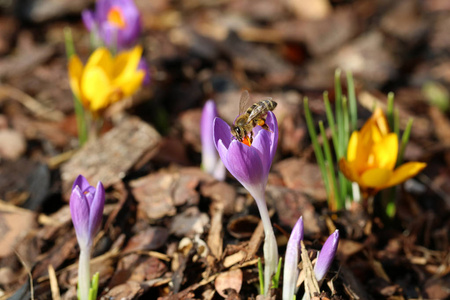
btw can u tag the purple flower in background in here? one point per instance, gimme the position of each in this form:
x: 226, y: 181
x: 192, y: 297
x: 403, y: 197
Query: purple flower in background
x: 291, y: 270
x: 86, y: 208
x: 326, y: 255
x: 210, y: 158
x: 144, y: 67
x: 116, y: 22
x: 250, y: 165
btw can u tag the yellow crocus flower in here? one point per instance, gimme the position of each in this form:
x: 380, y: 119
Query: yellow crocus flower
x: 105, y: 79
x: 371, y: 157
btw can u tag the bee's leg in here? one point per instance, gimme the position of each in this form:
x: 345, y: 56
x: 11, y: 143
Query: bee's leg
x: 266, y: 127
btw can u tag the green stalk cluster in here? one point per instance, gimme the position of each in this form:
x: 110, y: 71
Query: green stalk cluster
x: 341, y: 123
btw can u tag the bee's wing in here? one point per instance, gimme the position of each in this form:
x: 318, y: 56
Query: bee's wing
x: 256, y: 112
x: 243, y: 102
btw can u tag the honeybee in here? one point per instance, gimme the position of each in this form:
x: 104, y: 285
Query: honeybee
x: 255, y: 115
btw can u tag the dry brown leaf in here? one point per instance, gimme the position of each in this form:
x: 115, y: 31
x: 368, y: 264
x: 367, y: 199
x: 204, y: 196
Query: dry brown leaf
x: 228, y: 281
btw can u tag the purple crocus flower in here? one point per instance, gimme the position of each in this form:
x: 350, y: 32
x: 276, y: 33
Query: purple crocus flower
x: 291, y: 271
x: 326, y: 255
x: 86, y: 208
x: 250, y: 166
x: 210, y: 158
x: 116, y: 22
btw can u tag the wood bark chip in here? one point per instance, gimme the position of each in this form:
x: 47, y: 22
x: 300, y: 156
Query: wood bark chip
x: 302, y: 176
x: 13, y: 232
x: 128, y: 290
x: 109, y: 158
x: 243, y: 227
x: 149, y: 239
x: 189, y: 223
x: 215, y: 237
x: 228, y: 281
x: 220, y: 192
x: 34, y: 106
x: 53, y: 283
x: 255, y: 241
x: 311, y: 284
x: 137, y: 268
x: 159, y: 194
x: 291, y: 204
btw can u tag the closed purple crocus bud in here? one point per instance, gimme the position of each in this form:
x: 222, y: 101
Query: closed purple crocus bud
x: 326, y: 255
x: 250, y: 165
x: 210, y: 158
x: 291, y: 271
x: 86, y: 208
x: 116, y: 22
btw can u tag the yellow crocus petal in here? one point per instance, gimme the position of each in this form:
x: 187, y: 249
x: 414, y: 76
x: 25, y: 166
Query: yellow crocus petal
x: 381, y: 121
x: 133, y: 83
x: 126, y: 63
x: 386, y: 152
x: 376, y: 125
x: 352, y: 148
x: 75, y: 71
x: 375, y: 178
x: 101, y: 58
x: 348, y: 170
x: 96, y: 87
x: 375, y: 135
x: 405, y: 172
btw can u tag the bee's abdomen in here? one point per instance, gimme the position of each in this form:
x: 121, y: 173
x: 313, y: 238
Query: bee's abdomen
x: 270, y: 104
x: 262, y: 106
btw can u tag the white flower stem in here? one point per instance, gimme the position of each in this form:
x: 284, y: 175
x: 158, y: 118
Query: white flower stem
x: 84, y: 276
x: 270, y: 245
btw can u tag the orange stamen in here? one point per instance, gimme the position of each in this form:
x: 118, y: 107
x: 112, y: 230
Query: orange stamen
x: 246, y: 141
x: 115, y: 16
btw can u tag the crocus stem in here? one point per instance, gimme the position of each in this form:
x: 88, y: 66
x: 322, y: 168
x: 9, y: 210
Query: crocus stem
x: 84, y: 280
x: 270, y: 245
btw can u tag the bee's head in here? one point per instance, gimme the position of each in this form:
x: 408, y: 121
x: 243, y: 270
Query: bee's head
x: 237, y: 132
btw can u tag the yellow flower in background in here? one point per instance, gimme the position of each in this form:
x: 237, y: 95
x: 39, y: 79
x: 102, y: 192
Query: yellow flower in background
x: 105, y: 79
x: 371, y: 157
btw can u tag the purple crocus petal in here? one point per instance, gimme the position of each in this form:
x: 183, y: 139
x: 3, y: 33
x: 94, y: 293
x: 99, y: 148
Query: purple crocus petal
x: 79, y: 210
x: 89, y: 193
x: 88, y: 19
x: 96, y: 211
x: 82, y: 183
x: 209, y: 152
x: 272, y: 122
x: 222, y: 132
x: 102, y: 8
x: 112, y: 34
x: 144, y: 67
x: 326, y: 255
x: 129, y: 35
x: 291, y: 271
x: 244, y: 163
x: 219, y: 170
x: 262, y: 144
x: 108, y: 33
